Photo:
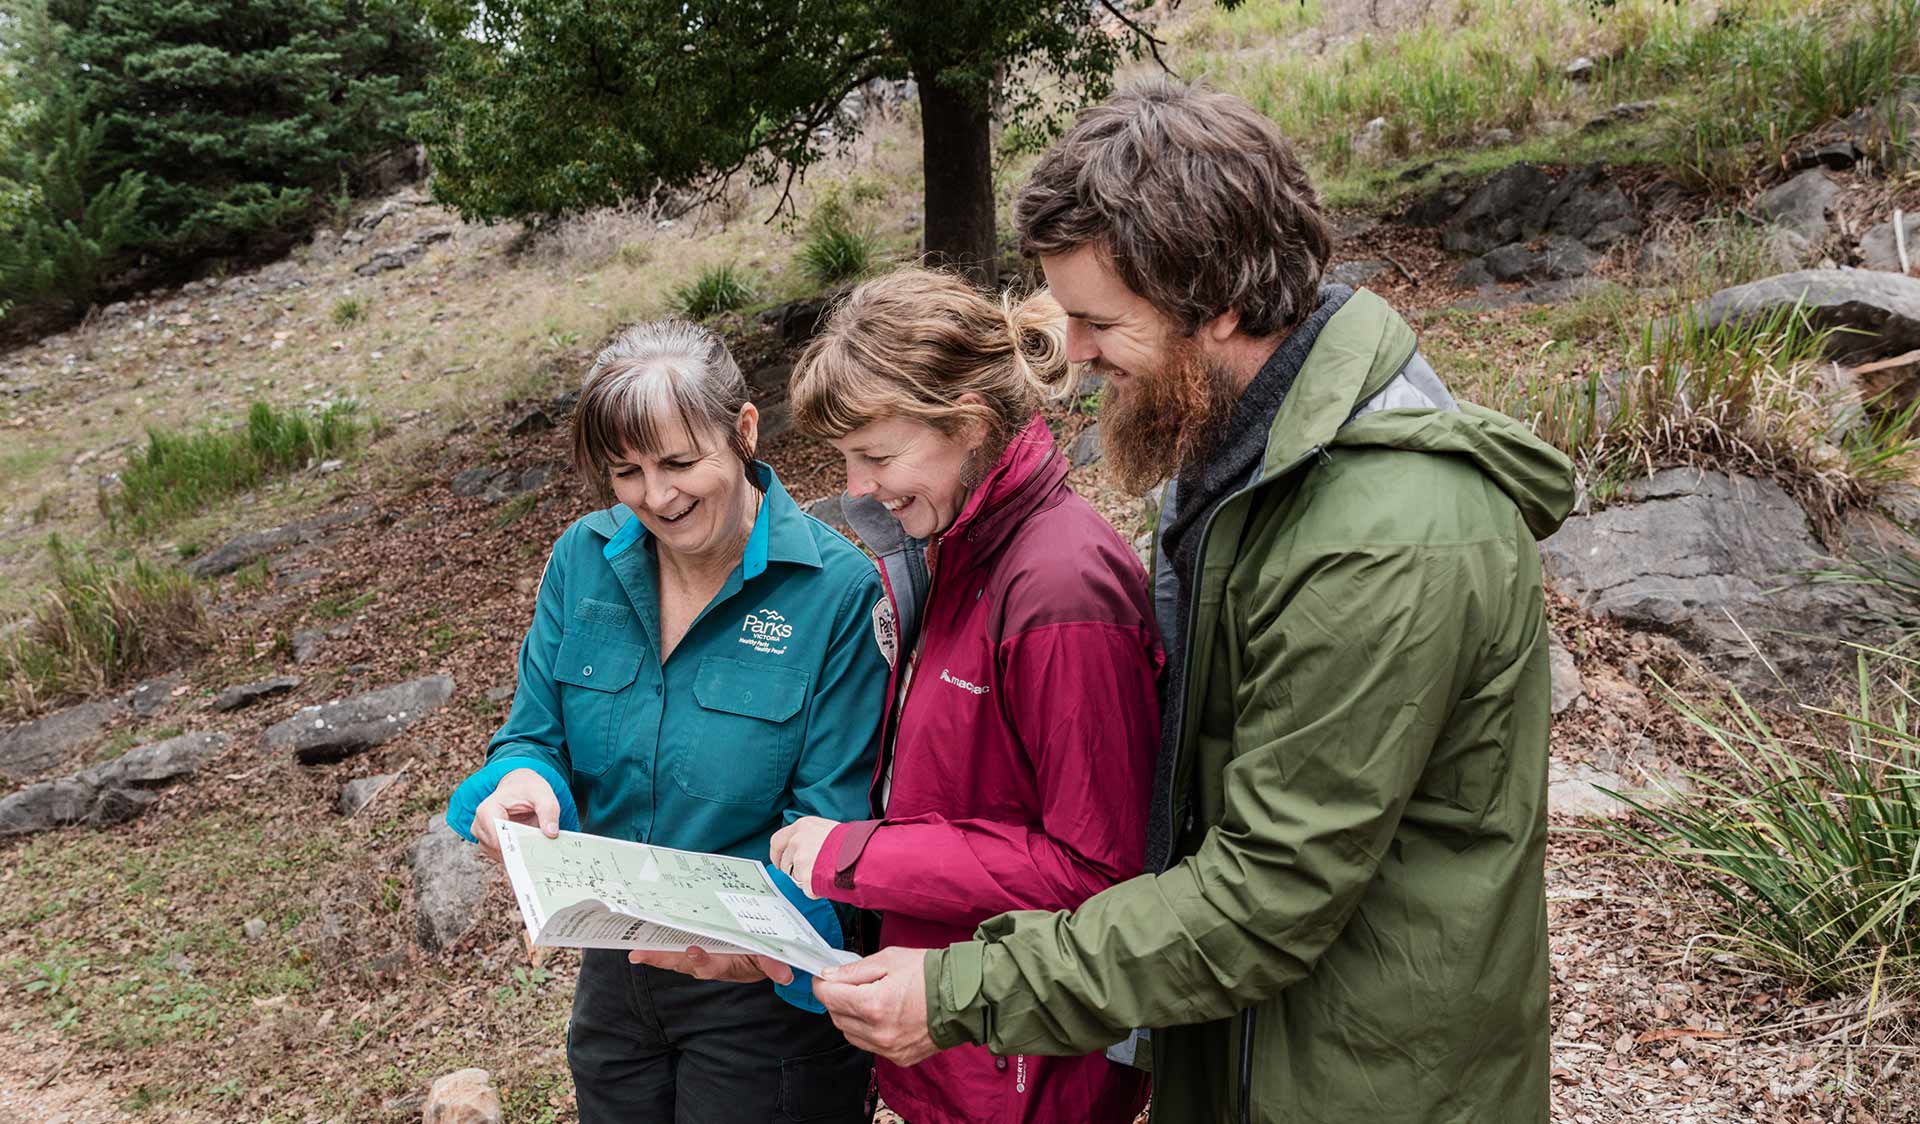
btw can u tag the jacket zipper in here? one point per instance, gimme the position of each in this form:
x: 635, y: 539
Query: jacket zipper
x: 1193, y: 618
x: 1186, y: 716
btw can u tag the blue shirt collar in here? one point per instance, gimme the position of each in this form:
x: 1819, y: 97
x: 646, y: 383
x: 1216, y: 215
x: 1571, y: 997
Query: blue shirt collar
x: 780, y: 532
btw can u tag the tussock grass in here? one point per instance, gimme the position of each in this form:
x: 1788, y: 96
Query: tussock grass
x: 348, y: 310
x: 1745, y: 396
x: 178, y: 474
x: 836, y: 251
x: 99, y: 625
x: 1811, y: 844
x: 720, y: 288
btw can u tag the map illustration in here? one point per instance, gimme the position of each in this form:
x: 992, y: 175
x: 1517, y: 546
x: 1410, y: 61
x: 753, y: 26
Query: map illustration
x: 588, y: 891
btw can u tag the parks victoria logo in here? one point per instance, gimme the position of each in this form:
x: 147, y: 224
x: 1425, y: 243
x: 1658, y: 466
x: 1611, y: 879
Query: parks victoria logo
x: 766, y: 631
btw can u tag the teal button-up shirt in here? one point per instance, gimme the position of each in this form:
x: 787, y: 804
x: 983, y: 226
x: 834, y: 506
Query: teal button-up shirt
x: 768, y: 709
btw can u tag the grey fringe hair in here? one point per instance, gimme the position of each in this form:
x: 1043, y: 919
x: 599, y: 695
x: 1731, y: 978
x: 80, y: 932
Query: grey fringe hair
x: 654, y: 384
x: 1196, y: 199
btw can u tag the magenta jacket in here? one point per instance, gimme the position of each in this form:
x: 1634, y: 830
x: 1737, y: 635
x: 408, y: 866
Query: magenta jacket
x: 1022, y: 761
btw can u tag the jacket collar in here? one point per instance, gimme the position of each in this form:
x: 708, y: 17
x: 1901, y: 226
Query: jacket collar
x: 1028, y: 472
x: 1359, y: 350
x: 780, y: 532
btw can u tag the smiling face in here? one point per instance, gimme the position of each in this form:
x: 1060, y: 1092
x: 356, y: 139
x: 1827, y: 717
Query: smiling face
x: 690, y: 493
x: 922, y: 475
x: 1167, y: 393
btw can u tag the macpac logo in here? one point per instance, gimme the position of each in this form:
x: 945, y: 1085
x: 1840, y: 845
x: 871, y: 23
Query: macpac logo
x: 766, y: 631
x: 961, y: 683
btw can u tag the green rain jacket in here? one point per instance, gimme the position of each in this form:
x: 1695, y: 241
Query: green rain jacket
x: 1353, y: 925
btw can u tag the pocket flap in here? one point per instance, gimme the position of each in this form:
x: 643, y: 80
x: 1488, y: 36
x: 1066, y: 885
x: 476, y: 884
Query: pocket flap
x: 596, y: 663
x: 773, y: 693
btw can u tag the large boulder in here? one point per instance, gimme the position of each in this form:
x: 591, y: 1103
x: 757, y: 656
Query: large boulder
x: 111, y: 793
x: 1522, y: 202
x: 1874, y: 314
x: 344, y: 727
x: 1721, y: 563
x: 450, y: 880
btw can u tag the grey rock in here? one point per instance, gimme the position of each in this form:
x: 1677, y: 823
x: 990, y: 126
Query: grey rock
x: 1584, y: 205
x: 533, y: 479
x: 1496, y: 214
x: 1568, y: 687
x: 1657, y: 257
x: 776, y: 418
x: 338, y: 729
x: 1576, y: 789
x: 1560, y: 259
x: 1880, y: 250
x: 1085, y: 449
x: 1880, y: 310
x: 46, y: 805
x: 1436, y: 207
x: 180, y: 962
x: 246, y: 694
x: 798, y: 321
x: 1510, y: 263
x: 33, y: 748
x: 450, y: 880
x: 355, y: 794
x: 111, y: 793
x: 156, y: 764
x: 255, y: 928
x: 150, y: 697
x: 1355, y: 273
x: 254, y: 545
x: 534, y: 420
x: 1619, y: 114
x: 1494, y: 138
x: 500, y: 694
x: 433, y: 235
x: 828, y: 510
x: 1476, y: 274
x: 306, y: 644
x: 1800, y: 204
x: 1580, y: 69
x: 1714, y: 560
x: 475, y: 481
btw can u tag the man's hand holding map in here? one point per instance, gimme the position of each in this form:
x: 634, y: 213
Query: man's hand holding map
x: 587, y: 891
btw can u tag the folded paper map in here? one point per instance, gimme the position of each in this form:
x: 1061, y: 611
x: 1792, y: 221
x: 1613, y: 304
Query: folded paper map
x: 588, y: 891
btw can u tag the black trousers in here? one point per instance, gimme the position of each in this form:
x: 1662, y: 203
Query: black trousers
x: 648, y: 1046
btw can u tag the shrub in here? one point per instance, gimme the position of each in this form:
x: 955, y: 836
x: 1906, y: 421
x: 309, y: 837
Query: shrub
x: 1811, y: 845
x: 349, y: 310
x: 101, y: 625
x: 177, y: 474
x: 721, y: 288
x: 837, y: 249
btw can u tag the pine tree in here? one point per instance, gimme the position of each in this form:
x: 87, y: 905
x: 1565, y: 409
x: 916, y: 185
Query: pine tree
x: 239, y: 113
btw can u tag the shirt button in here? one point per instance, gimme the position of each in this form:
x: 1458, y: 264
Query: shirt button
x: 999, y: 1063
x: 587, y: 670
x: 656, y: 688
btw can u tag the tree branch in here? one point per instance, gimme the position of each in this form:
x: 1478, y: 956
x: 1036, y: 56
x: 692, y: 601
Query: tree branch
x: 1153, y: 42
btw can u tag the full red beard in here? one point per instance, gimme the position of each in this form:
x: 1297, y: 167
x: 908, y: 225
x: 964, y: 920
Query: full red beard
x: 1165, y: 419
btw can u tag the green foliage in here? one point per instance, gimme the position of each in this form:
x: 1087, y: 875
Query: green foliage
x: 722, y: 288
x: 179, y: 473
x: 234, y: 120
x: 838, y: 249
x: 546, y: 107
x: 1811, y: 846
x: 348, y: 310
x: 101, y: 624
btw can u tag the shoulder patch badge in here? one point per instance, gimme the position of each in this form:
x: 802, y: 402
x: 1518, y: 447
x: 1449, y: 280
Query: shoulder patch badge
x: 886, y: 630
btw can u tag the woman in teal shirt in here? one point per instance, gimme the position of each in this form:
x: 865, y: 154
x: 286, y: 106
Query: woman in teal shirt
x: 704, y: 667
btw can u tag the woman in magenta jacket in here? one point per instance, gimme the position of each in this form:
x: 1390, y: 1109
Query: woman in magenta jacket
x: 1017, y: 755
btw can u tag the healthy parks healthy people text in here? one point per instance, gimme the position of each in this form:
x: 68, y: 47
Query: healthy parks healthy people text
x: 1345, y: 915
x: 657, y: 703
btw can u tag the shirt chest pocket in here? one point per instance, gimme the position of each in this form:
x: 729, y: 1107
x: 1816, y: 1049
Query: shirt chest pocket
x: 594, y: 674
x: 744, y: 733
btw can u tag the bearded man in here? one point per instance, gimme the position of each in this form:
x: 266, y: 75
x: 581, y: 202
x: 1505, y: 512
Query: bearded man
x: 1344, y: 917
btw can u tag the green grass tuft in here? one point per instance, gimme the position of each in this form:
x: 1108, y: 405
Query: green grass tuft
x: 349, y: 310
x: 721, y: 288
x: 178, y: 474
x: 101, y: 625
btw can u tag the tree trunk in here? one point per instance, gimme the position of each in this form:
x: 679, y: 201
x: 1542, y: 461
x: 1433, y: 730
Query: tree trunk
x: 957, y: 153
